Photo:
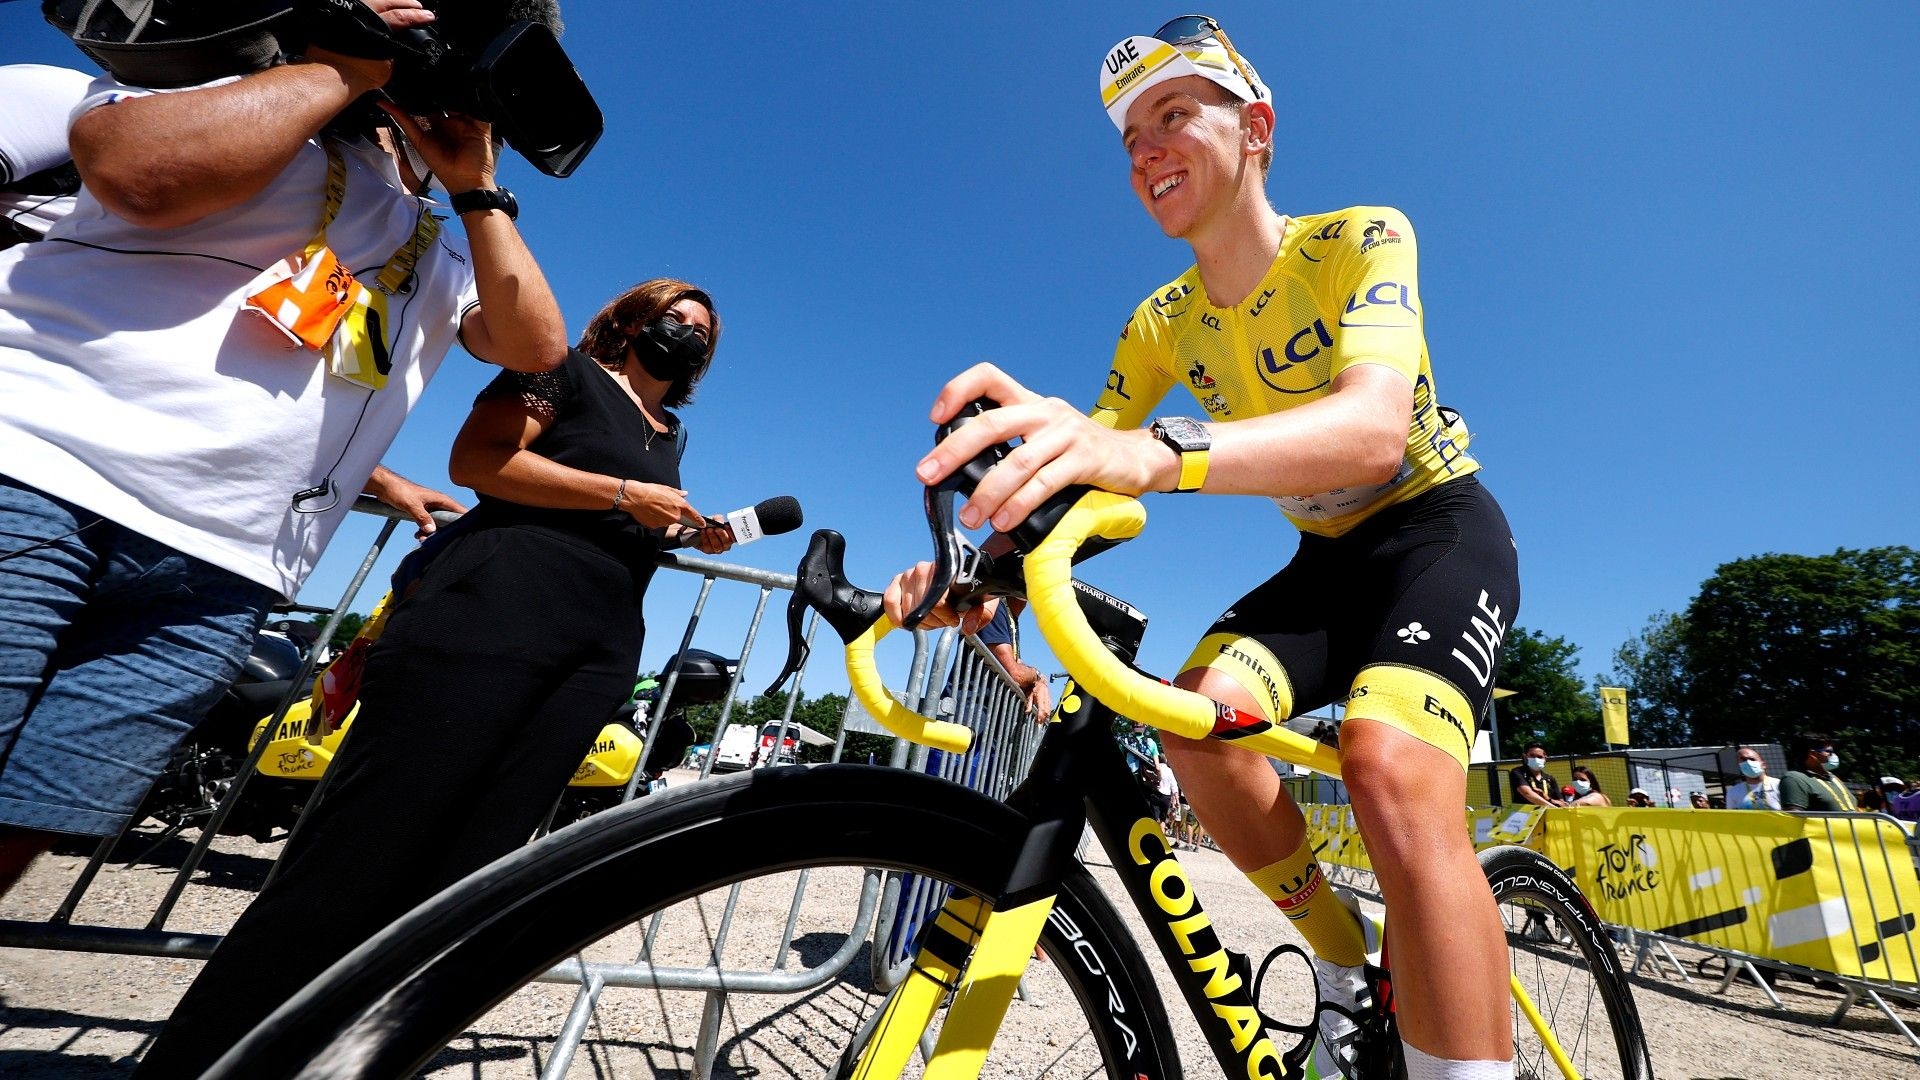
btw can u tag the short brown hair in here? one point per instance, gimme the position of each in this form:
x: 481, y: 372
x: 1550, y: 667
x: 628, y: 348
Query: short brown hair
x: 1223, y: 96
x: 613, y: 330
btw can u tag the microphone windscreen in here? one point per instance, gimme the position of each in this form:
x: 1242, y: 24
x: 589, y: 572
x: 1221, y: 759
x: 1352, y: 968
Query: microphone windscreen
x: 780, y: 514
x: 544, y: 12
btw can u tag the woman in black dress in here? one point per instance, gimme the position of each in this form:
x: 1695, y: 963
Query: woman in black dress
x: 499, y: 667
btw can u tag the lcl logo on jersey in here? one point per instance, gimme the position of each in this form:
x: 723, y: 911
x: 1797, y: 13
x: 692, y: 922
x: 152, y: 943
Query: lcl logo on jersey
x: 1385, y: 299
x: 1173, y: 295
x: 1288, y: 371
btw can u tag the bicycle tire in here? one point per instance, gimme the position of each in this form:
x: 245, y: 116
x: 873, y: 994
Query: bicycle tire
x: 389, y: 1007
x: 1565, y: 979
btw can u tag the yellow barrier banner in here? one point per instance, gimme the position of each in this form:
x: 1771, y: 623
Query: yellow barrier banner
x: 1613, y: 714
x: 1336, y: 837
x: 1835, y: 894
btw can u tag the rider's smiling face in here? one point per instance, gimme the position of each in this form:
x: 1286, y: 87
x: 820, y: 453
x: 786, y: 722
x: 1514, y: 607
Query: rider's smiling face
x: 1185, y: 152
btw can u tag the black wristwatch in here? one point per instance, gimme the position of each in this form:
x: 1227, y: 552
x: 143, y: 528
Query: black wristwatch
x: 1190, y: 440
x: 498, y: 198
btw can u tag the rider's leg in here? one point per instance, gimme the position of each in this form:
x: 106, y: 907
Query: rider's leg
x: 1444, y: 936
x: 1239, y: 799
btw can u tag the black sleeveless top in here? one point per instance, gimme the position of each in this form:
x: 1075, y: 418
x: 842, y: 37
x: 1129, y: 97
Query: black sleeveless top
x: 594, y: 427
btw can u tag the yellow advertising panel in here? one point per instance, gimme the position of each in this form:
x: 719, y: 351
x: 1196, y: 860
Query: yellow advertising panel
x: 1613, y: 714
x: 1336, y: 837
x: 1836, y: 894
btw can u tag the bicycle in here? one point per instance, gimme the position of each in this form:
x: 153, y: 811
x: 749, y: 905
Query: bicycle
x: 1010, y: 867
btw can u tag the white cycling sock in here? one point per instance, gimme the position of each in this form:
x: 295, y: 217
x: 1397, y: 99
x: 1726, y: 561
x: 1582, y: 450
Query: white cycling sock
x: 1424, y: 1066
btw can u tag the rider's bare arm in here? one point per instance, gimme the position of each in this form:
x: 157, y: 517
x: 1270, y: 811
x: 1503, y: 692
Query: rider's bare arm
x: 1355, y: 435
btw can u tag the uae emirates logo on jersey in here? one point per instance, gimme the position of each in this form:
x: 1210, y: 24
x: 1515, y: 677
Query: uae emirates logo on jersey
x: 1378, y: 233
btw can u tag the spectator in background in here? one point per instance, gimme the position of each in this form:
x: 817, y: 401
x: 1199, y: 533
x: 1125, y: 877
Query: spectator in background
x: 1903, y: 799
x: 1140, y: 746
x: 1169, y: 800
x: 1870, y: 801
x: 1756, y: 790
x: 1639, y: 797
x: 1698, y: 801
x: 1530, y: 781
x: 1811, y: 784
x: 175, y: 456
x: 1001, y: 636
x: 1586, y: 789
x: 1153, y: 784
x: 38, y: 181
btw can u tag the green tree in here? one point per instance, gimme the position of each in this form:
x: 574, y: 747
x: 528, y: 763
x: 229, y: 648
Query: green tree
x: 1783, y: 643
x: 1550, y: 701
x: 1652, y: 667
x: 350, y: 624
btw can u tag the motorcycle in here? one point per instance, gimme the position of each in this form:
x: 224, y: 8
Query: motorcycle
x: 208, y: 763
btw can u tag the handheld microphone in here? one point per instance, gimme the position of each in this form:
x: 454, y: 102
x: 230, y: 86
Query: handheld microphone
x: 768, y: 517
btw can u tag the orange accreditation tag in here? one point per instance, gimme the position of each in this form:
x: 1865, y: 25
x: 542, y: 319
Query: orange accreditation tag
x: 306, y: 297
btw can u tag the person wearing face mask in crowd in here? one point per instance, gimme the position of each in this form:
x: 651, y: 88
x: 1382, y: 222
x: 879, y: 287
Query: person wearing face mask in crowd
x: 1756, y: 790
x: 1812, y: 785
x: 499, y: 664
x: 1586, y: 789
x: 1532, y: 784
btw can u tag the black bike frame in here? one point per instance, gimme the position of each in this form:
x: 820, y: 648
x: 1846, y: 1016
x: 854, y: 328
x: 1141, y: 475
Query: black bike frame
x: 1080, y: 775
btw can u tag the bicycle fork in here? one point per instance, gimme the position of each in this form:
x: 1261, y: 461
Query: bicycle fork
x: 974, y: 953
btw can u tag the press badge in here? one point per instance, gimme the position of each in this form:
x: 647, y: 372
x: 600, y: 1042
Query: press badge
x: 305, y: 297
x: 357, y: 352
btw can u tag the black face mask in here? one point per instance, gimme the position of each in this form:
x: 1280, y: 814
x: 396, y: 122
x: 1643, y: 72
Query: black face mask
x: 669, y: 350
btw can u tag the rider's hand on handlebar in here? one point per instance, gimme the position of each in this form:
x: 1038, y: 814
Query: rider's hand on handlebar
x: 1060, y: 447
x: 907, y: 589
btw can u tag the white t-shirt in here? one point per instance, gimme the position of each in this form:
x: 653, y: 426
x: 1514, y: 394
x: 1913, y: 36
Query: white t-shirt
x: 136, y: 387
x: 35, y: 101
x: 1169, y: 786
x: 1764, y: 795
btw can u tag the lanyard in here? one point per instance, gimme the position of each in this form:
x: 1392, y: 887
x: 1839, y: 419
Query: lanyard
x: 1836, y: 791
x: 399, y: 267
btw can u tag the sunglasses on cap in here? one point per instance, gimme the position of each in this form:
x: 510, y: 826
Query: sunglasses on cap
x: 1194, y: 29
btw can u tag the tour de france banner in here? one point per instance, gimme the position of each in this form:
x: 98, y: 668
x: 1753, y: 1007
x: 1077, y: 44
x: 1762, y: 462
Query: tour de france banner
x: 1835, y: 894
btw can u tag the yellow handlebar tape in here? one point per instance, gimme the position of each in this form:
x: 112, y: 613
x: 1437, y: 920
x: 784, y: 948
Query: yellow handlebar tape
x: 863, y: 677
x: 1100, y: 673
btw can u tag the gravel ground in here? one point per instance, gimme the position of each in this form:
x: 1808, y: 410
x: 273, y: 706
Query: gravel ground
x: 73, y: 1015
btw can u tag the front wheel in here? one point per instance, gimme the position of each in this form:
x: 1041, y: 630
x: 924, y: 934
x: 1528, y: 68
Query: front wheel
x: 1570, y: 992
x: 766, y: 884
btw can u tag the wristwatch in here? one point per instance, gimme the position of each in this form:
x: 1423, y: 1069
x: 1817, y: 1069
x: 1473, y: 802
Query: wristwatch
x: 498, y: 198
x: 1190, y: 440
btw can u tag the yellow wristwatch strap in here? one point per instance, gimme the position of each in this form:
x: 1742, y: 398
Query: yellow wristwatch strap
x: 1193, y: 469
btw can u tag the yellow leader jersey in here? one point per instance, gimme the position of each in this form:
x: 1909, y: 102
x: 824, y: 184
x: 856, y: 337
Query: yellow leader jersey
x: 1342, y: 291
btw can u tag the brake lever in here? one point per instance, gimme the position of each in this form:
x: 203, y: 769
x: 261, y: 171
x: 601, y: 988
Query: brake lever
x: 950, y: 545
x: 821, y: 583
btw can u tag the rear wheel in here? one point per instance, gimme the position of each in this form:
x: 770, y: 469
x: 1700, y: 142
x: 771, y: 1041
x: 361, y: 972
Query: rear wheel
x: 768, y: 884
x: 1566, y: 964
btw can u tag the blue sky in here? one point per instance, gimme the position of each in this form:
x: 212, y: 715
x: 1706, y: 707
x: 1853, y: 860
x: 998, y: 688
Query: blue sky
x: 1667, y: 253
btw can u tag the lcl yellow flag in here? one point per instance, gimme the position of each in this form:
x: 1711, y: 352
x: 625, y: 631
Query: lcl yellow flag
x: 1613, y: 714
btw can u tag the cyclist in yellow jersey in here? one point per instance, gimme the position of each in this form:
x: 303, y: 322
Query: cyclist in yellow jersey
x: 1301, y: 339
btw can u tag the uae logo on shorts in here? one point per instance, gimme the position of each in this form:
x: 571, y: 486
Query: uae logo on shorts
x: 1413, y: 633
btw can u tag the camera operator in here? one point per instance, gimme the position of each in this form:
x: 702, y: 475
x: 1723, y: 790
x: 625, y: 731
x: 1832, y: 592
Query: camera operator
x: 188, y: 393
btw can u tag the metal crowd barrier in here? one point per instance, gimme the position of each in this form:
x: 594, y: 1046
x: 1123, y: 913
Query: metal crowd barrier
x: 980, y: 694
